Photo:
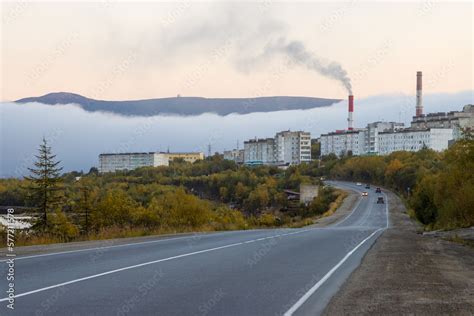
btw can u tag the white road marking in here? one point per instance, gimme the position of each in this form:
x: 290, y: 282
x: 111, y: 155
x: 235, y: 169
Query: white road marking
x: 99, y: 248
x: 386, y: 210
x: 125, y: 245
x: 311, y: 291
x: 148, y: 263
x: 350, y: 214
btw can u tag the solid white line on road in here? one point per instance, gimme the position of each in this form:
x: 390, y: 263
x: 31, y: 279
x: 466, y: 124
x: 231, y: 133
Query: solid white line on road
x: 311, y: 291
x: 386, y: 209
x: 353, y: 210
x: 99, y: 248
x: 148, y: 263
x: 122, y: 245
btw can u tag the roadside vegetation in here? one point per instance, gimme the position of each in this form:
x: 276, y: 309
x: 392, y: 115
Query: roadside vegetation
x: 213, y: 194
x: 438, y: 187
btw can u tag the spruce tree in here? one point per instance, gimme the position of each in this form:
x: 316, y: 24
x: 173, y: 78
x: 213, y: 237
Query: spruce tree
x: 45, y: 178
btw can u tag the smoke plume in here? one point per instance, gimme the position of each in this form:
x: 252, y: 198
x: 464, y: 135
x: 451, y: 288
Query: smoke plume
x: 299, y: 54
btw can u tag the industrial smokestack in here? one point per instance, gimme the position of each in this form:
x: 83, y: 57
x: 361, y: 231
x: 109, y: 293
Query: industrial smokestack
x: 350, y: 120
x: 419, y: 94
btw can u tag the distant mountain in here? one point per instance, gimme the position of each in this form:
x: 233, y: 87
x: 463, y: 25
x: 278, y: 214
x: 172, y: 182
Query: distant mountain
x: 184, y: 105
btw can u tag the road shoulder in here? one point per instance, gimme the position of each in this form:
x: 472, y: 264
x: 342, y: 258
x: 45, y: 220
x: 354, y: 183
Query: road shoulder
x: 408, y: 273
x: 342, y: 211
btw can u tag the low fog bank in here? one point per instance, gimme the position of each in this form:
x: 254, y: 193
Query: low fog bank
x: 78, y: 137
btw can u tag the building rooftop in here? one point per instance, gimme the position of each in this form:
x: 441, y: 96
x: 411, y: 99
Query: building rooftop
x: 151, y: 153
x: 409, y: 130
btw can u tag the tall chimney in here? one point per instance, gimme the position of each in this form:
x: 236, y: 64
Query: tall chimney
x: 419, y: 94
x: 350, y: 120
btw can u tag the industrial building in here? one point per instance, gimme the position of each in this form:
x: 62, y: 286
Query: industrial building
x: 286, y: 148
x: 456, y: 120
x: 129, y: 161
x: 434, y: 130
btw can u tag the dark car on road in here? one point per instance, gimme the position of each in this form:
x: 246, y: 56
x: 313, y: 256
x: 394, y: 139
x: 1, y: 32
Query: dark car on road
x: 380, y: 200
x: 367, y: 186
x: 378, y: 190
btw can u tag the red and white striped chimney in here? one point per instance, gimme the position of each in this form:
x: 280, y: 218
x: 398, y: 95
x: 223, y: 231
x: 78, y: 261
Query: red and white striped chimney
x: 350, y: 120
x: 419, y: 94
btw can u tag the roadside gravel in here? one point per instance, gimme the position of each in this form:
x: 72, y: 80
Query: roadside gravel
x: 409, y: 273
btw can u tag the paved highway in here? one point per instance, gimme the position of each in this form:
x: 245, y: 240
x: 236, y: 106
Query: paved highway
x: 257, y: 272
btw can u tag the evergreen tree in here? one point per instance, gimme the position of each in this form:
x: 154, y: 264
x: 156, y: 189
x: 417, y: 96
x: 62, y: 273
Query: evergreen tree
x: 45, y: 178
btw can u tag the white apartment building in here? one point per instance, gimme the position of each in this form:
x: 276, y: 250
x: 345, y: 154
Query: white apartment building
x: 287, y: 148
x: 414, y: 140
x: 292, y: 147
x: 259, y: 151
x: 371, y: 132
x: 130, y: 161
x: 342, y: 143
x: 383, y: 138
x: 362, y: 141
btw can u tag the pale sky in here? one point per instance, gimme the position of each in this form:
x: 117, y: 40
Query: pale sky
x: 120, y: 51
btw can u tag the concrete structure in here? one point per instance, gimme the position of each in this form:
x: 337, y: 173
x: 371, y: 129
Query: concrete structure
x: 414, y: 140
x: 186, y: 156
x: 308, y: 192
x: 434, y: 130
x: 350, y: 119
x: 286, y: 148
x: 419, y: 94
x: 236, y: 155
x: 259, y: 151
x: 363, y: 141
x: 292, y: 148
x: 130, y: 161
x: 371, y: 132
x: 342, y: 143
x: 456, y: 120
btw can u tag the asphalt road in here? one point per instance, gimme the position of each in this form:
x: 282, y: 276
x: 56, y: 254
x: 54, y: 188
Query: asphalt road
x: 257, y: 272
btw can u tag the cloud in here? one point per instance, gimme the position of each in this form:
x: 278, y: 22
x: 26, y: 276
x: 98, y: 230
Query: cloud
x: 78, y: 137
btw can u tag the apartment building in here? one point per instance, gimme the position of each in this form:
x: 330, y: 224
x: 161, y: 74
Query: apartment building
x: 414, y: 140
x: 259, y: 151
x: 286, y: 148
x: 371, y: 132
x: 130, y: 161
x: 292, y: 147
x: 343, y: 143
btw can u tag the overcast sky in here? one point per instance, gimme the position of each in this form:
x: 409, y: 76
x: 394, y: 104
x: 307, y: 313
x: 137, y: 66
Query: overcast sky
x: 113, y: 50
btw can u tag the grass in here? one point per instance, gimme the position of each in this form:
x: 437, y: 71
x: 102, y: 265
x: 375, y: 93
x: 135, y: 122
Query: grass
x: 336, y: 204
x: 341, y: 196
